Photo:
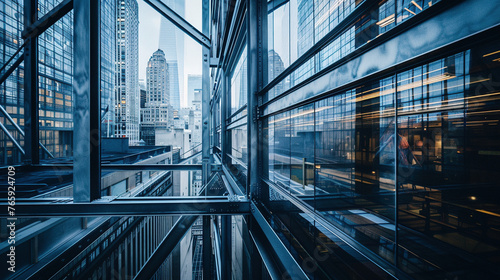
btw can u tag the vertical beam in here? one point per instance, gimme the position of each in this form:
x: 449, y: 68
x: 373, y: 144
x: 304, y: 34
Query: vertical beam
x: 254, y: 76
x: 226, y: 244
x: 223, y: 124
x: 86, y: 113
x: 205, y: 110
x: 31, y: 137
x: 207, y: 249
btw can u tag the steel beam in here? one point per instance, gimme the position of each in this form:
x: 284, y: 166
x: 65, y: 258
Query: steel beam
x: 31, y: 137
x: 11, y: 69
x: 86, y: 89
x: 124, y: 167
x: 180, y: 22
x: 12, y: 57
x: 226, y: 247
x: 7, y: 115
x: 266, y: 256
x: 129, y: 207
x: 254, y: 42
x: 39, y: 26
x: 12, y: 138
x: 207, y: 249
x: 286, y: 259
x: 205, y: 115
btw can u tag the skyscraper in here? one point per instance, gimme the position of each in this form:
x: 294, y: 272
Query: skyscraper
x: 171, y: 41
x: 127, y: 104
x: 193, y: 84
x: 157, y: 91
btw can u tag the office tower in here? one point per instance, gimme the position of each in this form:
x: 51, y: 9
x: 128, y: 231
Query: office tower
x: 127, y: 107
x: 157, y: 91
x: 193, y: 84
x: 55, y: 63
x: 171, y: 41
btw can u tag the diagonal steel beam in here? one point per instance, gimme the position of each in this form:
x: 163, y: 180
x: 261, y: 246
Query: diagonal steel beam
x: 39, y: 26
x: 12, y: 138
x: 12, y: 57
x: 11, y: 69
x: 7, y: 115
x: 180, y: 22
x: 166, y: 247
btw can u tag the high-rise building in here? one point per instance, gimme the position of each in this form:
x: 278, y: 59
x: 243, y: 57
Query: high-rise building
x: 156, y: 109
x: 55, y: 62
x: 171, y: 41
x: 127, y: 106
x: 193, y: 85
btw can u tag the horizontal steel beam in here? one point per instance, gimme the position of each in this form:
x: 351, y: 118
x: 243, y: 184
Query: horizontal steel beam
x: 127, y: 167
x: 167, y: 245
x: 180, y: 22
x: 48, y: 19
x: 128, y: 207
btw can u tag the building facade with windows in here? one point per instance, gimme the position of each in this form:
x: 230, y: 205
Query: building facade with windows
x: 127, y: 90
x: 55, y: 78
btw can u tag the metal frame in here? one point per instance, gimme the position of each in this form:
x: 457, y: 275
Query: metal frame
x: 42, y: 24
x: 86, y: 112
x: 127, y: 167
x: 180, y: 22
x: 143, y: 206
x: 31, y: 86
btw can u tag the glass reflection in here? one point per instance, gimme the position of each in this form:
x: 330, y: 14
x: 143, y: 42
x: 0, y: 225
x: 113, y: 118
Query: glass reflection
x: 340, y: 154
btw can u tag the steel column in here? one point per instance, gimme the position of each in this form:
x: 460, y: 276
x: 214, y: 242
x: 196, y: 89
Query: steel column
x: 86, y: 112
x: 31, y: 138
x: 207, y: 249
x: 226, y: 246
x: 254, y: 61
x: 168, y: 243
x: 205, y: 98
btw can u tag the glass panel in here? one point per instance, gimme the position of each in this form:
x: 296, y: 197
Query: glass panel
x: 239, y: 83
x: 302, y: 151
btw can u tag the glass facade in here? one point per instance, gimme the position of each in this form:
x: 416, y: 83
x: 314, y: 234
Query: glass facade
x: 55, y: 62
x: 353, y: 155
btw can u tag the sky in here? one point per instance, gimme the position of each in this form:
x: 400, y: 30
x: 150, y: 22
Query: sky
x: 149, y: 30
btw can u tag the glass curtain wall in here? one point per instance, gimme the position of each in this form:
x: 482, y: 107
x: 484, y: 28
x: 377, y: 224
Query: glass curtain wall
x: 339, y: 155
